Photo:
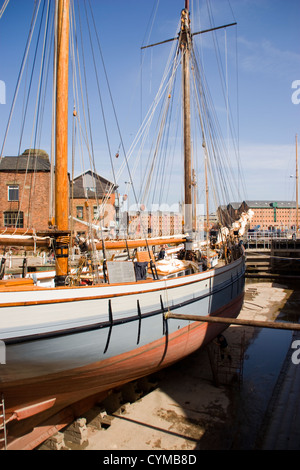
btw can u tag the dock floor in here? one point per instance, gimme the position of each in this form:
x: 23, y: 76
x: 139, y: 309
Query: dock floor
x: 186, y: 411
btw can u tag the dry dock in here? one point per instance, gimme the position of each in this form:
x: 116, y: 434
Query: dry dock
x: 281, y: 429
x: 184, y: 408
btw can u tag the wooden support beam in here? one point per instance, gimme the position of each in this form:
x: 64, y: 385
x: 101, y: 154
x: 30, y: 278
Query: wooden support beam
x: 236, y: 321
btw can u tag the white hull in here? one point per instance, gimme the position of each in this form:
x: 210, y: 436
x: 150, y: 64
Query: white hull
x: 50, y: 330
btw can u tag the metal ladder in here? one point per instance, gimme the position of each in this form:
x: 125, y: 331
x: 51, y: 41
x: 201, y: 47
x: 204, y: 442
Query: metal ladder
x: 3, y: 435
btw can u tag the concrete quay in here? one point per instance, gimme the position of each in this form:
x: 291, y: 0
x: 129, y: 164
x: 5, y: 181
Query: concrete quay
x: 182, y: 408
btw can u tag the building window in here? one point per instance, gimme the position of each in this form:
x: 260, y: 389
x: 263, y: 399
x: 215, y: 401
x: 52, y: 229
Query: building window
x: 13, y: 192
x: 13, y: 219
x: 79, y: 212
x: 95, y: 212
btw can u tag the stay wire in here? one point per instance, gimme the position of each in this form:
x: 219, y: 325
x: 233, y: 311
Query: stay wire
x: 235, y: 138
x: 27, y: 47
x: 113, y: 106
x: 100, y: 95
x: 23, y: 118
x: 37, y: 125
x: 3, y: 8
x: 210, y: 142
x: 91, y: 154
x: 163, y: 113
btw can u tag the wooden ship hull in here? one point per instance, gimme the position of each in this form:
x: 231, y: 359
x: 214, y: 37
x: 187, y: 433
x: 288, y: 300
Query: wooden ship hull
x: 66, y: 344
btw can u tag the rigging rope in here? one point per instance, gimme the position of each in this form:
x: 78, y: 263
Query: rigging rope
x: 52, y: 148
x: 145, y: 44
x: 27, y: 47
x: 34, y: 135
x: 38, y: 114
x: 3, y: 8
x: 99, y: 90
x: 37, y: 121
x: 235, y: 139
x: 144, y: 130
x: 213, y: 129
x: 156, y: 165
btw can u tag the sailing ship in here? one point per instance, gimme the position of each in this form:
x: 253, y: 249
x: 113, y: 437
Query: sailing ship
x: 70, y: 344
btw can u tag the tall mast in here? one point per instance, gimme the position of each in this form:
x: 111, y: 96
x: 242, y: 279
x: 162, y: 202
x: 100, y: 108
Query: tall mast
x: 61, y: 144
x: 194, y: 184
x: 207, y: 200
x: 185, y: 45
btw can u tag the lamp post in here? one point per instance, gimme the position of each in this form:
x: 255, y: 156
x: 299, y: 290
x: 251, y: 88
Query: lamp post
x: 297, y: 202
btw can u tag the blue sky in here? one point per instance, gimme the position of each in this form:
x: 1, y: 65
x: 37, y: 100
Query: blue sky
x: 263, y: 53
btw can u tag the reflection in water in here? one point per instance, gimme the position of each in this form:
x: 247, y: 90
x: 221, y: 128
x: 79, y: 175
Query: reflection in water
x: 263, y: 361
x: 266, y: 354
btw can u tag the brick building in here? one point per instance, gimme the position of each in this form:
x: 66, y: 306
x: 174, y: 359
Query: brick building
x: 268, y: 215
x: 154, y: 224
x: 25, y: 194
x: 24, y: 190
x: 88, y: 193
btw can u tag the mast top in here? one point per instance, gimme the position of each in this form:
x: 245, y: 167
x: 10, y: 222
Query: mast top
x: 185, y: 36
x: 187, y: 4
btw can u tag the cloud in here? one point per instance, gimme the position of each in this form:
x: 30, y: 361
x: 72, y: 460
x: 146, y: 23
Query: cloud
x: 264, y: 57
x: 267, y: 169
x: 266, y: 156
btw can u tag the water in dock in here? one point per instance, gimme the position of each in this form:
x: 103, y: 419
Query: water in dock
x: 267, y: 406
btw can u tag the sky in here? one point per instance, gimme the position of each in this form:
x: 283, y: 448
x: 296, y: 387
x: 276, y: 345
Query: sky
x: 263, y: 51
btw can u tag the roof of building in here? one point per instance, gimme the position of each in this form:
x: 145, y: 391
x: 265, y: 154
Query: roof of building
x: 87, y: 184
x: 270, y: 204
x: 34, y: 160
x: 252, y: 204
x: 236, y: 205
x: 91, y: 185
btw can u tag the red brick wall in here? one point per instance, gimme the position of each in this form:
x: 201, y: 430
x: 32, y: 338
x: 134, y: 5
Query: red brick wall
x: 33, y: 198
x: 109, y: 213
x: 34, y: 203
x: 285, y: 217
